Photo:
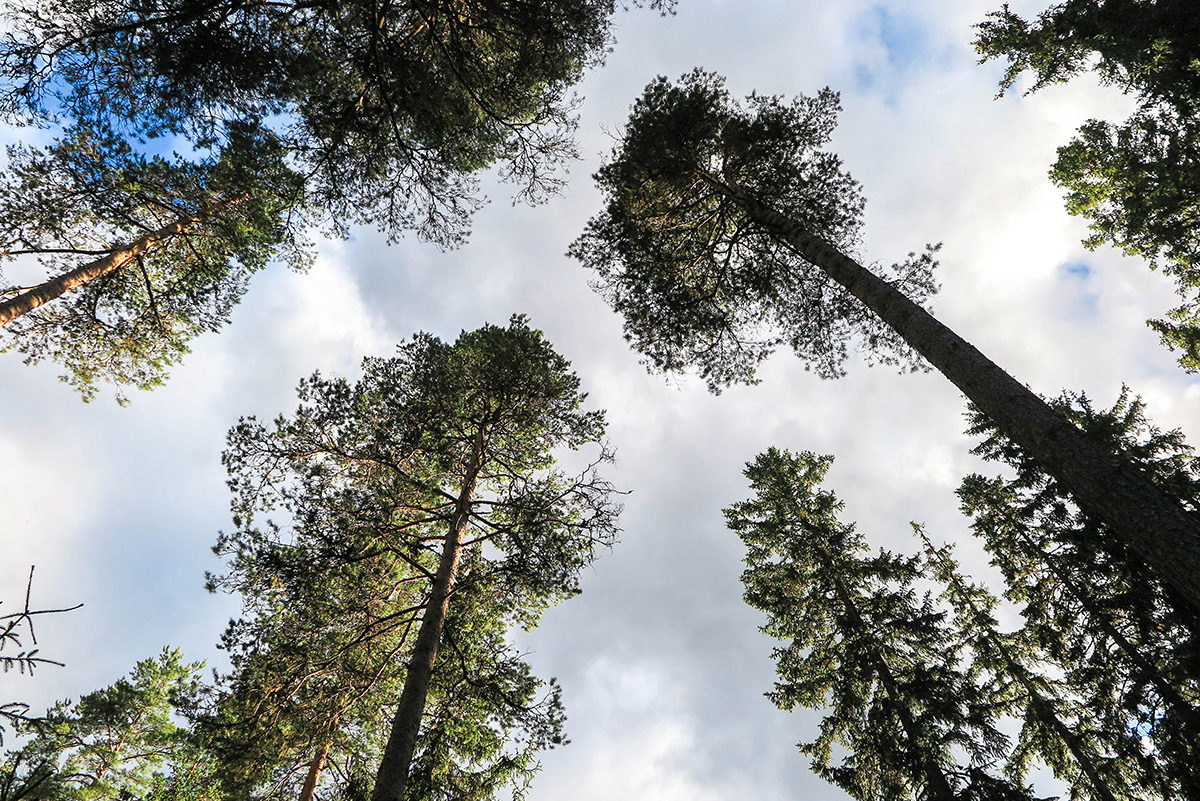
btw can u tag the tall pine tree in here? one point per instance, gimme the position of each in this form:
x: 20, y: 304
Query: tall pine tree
x: 726, y: 233
x: 436, y: 471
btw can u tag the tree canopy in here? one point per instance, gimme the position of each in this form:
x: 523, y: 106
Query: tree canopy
x: 699, y: 282
x: 1137, y: 181
x: 412, y: 517
x: 693, y: 250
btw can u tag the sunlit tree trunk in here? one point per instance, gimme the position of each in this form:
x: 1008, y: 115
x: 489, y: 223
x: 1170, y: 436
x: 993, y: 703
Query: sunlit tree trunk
x: 1155, y: 525
x: 116, y: 259
x: 392, y: 778
x: 314, y: 772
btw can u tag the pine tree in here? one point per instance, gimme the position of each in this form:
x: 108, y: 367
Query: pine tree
x: 116, y: 742
x: 149, y: 251
x: 726, y: 234
x: 864, y: 643
x: 381, y: 114
x: 434, y: 473
x: 1137, y: 182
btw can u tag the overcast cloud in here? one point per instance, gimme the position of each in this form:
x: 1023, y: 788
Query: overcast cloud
x: 662, y: 665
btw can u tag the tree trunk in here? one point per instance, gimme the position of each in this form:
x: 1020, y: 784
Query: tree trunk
x: 115, y: 260
x: 1154, y: 524
x: 392, y: 778
x: 314, y: 772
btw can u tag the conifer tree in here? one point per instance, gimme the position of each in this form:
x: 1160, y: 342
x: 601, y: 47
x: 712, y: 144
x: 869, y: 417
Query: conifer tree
x: 434, y: 474
x: 381, y: 113
x: 149, y: 251
x: 117, y: 742
x: 1137, y: 182
x: 1059, y: 727
x: 864, y: 643
x: 726, y: 233
x: 1124, y: 641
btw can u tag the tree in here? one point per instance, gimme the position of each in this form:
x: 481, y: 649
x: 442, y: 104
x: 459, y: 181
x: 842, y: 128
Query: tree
x: 1126, y: 643
x: 111, y: 743
x: 436, y: 471
x: 862, y: 642
x: 1137, y: 182
x: 387, y: 110
x: 1058, y: 726
x: 153, y: 251
x: 725, y: 235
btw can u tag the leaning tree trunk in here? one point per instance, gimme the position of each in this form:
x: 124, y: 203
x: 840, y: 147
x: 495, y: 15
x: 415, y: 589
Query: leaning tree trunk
x: 309, y: 791
x: 1154, y: 524
x: 392, y: 778
x: 114, y: 260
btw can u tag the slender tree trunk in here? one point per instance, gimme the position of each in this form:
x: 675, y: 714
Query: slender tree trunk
x: 115, y: 260
x: 314, y: 772
x: 392, y: 778
x: 937, y: 786
x: 1155, y: 525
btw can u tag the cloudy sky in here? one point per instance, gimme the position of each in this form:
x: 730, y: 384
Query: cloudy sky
x: 662, y: 665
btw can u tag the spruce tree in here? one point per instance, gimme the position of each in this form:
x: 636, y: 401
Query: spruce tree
x: 864, y: 643
x: 1058, y: 725
x: 726, y: 233
x: 1136, y: 181
x: 1124, y: 641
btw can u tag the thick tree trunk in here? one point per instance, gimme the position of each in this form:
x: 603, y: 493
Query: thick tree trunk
x: 314, y: 772
x: 1155, y: 525
x: 392, y: 778
x: 115, y: 260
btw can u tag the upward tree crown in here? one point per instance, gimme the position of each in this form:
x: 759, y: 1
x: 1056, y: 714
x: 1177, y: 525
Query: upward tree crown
x: 699, y: 282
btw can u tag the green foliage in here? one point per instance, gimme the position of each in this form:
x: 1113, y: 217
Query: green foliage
x: 698, y: 282
x: 112, y: 743
x: 90, y: 193
x: 379, y: 113
x: 390, y: 107
x: 1148, y: 46
x: 905, y: 719
x: 360, y: 485
x: 1137, y: 182
x: 1123, y: 642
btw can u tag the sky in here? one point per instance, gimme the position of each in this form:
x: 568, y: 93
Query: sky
x: 662, y: 665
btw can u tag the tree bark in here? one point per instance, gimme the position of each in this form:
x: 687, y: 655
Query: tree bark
x: 315, y: 767
x: 392, y: 778
x: 1154, y: 524
x: 114, y: 260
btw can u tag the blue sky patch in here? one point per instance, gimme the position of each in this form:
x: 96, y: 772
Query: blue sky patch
x: 904, y: 38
